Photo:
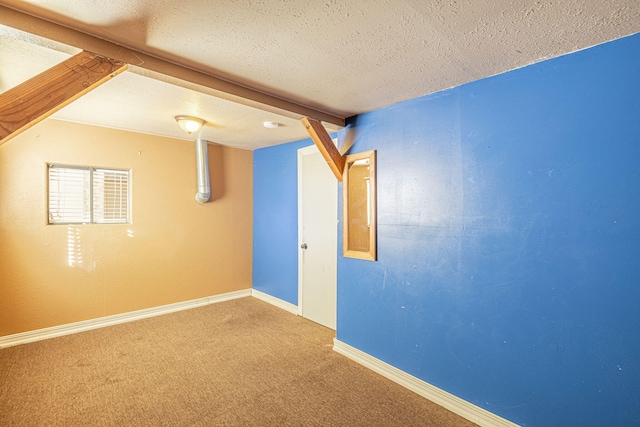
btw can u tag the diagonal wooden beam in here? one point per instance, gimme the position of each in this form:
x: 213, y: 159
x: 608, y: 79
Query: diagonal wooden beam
x: 34, y: 100
x: 179, y: 74
x: 324, y: 143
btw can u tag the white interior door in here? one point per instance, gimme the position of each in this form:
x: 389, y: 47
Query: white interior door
x: 317, y: 238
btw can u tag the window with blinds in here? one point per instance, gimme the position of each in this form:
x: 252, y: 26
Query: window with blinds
x: 83, y: 195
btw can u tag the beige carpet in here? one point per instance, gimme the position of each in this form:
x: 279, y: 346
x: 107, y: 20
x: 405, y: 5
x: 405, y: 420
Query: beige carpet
x: 236, y: 363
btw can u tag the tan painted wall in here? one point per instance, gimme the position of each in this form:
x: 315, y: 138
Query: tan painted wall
x: 174, y: 250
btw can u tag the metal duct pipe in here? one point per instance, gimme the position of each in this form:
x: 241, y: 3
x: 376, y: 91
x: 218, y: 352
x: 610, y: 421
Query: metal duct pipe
x: 202, y: 164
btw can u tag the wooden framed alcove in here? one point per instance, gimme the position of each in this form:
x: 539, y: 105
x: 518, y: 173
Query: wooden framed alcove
x: 359, y: 206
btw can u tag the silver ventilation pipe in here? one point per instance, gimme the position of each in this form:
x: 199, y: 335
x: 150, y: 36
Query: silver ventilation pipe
x: 191, y: 124
x: 202, y: 165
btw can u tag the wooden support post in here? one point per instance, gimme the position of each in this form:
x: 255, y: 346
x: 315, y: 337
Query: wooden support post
x: 324, y: 143
x: 34, y: 100
x: 165, y: 69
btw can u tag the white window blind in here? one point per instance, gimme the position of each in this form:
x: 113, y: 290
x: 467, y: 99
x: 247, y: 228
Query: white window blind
x: 80, y: 195
x: 110, y: 196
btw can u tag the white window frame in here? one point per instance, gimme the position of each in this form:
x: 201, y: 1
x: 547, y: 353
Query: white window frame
x: 73, y: 195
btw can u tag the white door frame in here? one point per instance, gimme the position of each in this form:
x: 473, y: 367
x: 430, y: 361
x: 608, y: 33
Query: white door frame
x: 312, y: 149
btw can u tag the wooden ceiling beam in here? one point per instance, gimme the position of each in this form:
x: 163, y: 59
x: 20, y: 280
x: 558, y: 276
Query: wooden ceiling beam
x: 323, y: 141
x: 34, y: 100
x: 211, y: 84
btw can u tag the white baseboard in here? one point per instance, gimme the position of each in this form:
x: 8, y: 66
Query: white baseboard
x: 291, y: 308
x: 101, y: 322
x: 461, y: 407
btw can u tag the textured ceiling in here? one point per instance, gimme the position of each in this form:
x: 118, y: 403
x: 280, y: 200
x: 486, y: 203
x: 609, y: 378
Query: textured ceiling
x: 343, y: 57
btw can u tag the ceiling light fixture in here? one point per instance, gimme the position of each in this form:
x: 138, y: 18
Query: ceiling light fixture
x: 190, y: 124
x: 271, y: 125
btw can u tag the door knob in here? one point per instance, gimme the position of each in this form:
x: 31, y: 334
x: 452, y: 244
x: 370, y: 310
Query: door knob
x: 303, y: 246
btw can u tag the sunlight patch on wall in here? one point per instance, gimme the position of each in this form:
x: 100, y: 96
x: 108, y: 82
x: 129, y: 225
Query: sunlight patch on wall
x: 74, y: 247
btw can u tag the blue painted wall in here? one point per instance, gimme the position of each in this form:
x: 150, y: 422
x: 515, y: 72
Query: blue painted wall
x: 275, y: 220
x: 508, y: 240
